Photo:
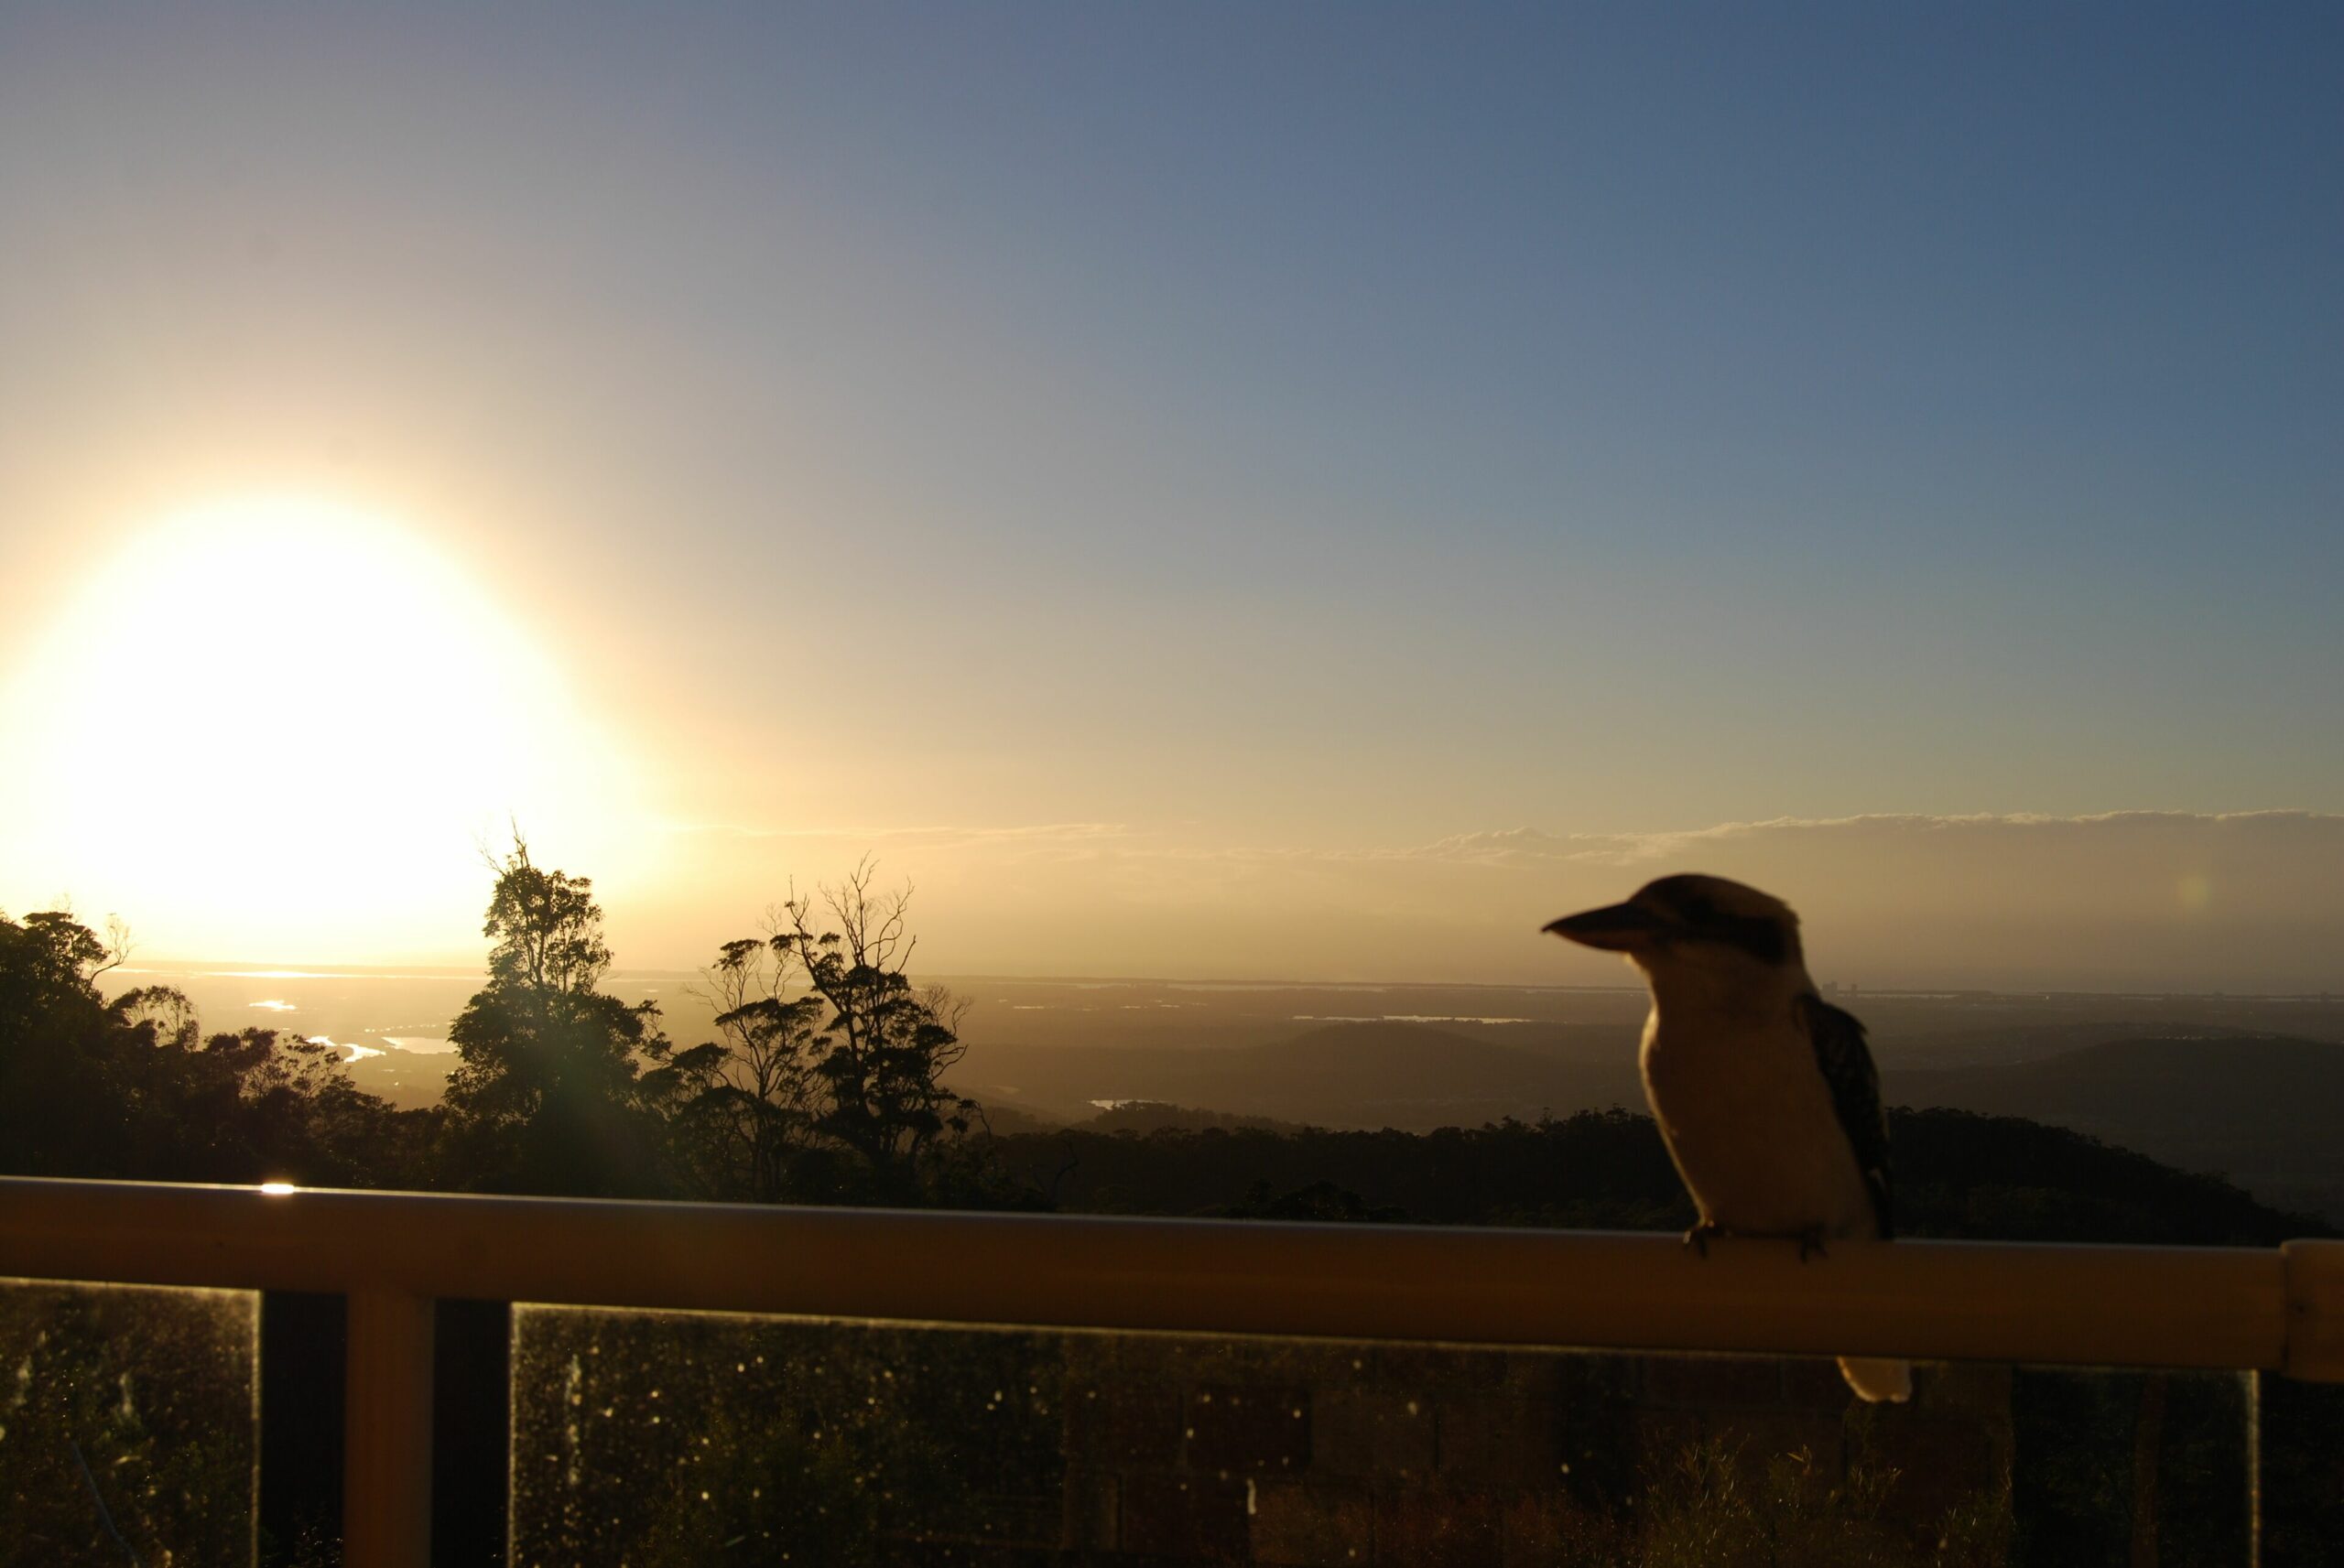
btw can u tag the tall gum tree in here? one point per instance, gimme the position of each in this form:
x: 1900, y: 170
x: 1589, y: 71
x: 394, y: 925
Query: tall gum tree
x: 887, y: 1043
x: 547, y: 1094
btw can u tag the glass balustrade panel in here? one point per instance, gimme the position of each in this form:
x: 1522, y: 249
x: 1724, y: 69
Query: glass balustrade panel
x: 685, y: 1438
x: 129, y: 1424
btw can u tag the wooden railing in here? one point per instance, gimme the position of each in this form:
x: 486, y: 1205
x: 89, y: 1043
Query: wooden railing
x: 392, y: 1254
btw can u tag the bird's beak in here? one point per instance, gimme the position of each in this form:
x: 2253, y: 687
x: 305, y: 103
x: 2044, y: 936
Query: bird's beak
x: 1615, y: 928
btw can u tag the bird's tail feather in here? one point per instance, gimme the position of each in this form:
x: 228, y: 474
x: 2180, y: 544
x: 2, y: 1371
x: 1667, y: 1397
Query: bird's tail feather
x: 1877, y: 1381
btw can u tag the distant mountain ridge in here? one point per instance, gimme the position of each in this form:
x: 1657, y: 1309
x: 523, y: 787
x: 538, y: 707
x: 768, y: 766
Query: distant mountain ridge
x: 1413, y: 1076
x: 2265, y: 1110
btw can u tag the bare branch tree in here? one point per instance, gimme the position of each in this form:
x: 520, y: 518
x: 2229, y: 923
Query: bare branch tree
x: 119, y: 946
x: 888, y: 1044
x: 754, y: 1091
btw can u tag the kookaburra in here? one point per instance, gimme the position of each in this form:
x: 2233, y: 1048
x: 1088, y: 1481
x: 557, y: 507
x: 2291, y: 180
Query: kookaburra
x: 1765, y: 1092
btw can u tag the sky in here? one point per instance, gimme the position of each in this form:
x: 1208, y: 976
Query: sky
x: 1299, y: 491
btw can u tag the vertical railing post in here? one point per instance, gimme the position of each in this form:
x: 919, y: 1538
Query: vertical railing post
x: 2251, y: 1382
x: 387, y: 1432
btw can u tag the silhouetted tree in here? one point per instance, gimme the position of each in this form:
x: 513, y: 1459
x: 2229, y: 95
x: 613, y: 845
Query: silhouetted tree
x: 886, y: 1044
x: 67, y: 1060
x: 546, y: 1096
x: 131, y: 1088
x: 260, y: 1105
x: 743, y: 1106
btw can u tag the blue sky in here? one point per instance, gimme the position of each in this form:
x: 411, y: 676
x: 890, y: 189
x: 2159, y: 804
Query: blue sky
x: 1296, y: 427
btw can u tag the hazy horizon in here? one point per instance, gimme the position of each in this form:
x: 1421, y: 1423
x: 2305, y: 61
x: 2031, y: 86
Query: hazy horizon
x: 2126, y: 902
x: 620, y: 975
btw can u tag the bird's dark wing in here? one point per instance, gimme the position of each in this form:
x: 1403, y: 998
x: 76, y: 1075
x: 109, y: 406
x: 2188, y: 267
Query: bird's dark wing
x: 1847, y: 1064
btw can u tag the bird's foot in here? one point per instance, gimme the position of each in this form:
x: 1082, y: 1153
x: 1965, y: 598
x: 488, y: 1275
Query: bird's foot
x: 1698, y: 1238
x: 1810, y: 1243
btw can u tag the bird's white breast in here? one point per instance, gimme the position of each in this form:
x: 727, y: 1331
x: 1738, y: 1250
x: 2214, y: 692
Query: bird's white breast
x: 1749, y: 1122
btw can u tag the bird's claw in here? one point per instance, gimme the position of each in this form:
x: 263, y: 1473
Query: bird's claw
x: 1810, y: 1243
x: 1698, y: 1238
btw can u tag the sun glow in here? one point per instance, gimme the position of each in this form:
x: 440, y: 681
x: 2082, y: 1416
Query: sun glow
x: 284, y: 728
